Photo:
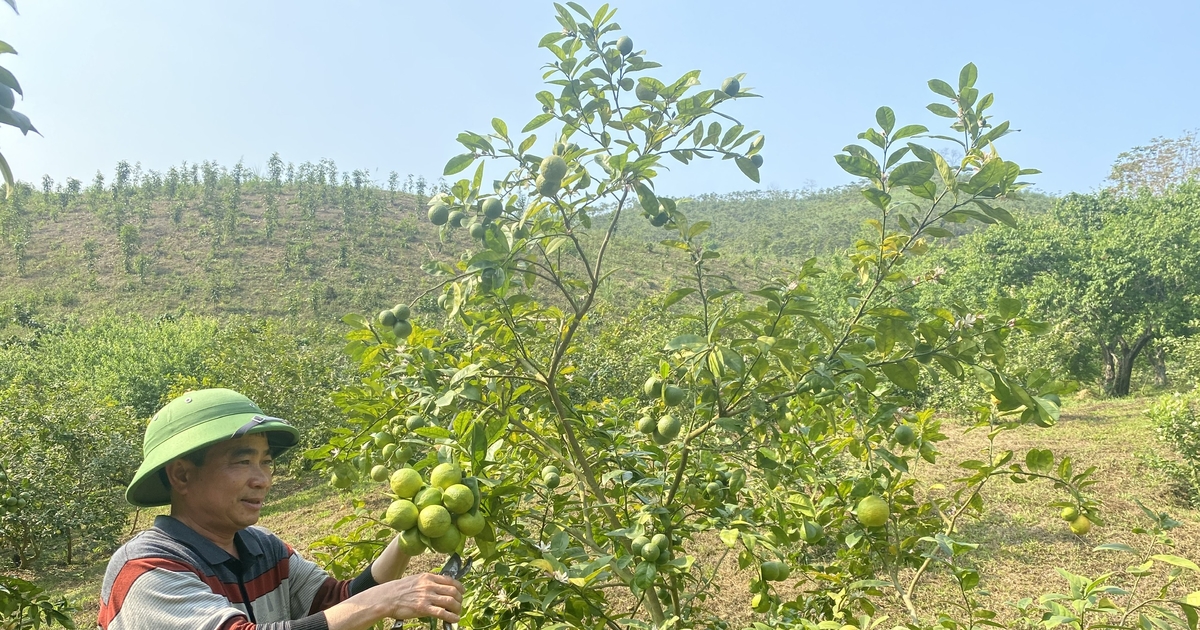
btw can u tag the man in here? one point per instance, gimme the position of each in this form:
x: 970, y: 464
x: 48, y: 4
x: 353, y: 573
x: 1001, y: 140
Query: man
x: 209, y: 455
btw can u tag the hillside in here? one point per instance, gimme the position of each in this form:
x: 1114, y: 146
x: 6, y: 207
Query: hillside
x: 226, y: 241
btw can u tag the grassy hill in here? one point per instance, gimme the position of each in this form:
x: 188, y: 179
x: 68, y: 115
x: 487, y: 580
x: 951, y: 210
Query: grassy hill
x: 226, y: 241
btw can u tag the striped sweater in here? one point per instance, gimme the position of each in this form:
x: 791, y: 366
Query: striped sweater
x: 171, y: 577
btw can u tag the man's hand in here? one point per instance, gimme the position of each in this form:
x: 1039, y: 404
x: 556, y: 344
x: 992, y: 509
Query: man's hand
x: 422, y: 595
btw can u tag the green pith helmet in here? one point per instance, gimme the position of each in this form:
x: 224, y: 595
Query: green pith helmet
x: 193, y: 421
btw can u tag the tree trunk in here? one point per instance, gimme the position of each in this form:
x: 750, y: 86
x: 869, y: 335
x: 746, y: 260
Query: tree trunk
x: 1158, y: 359
x: 1108, y: 375
x: 1118, y: 362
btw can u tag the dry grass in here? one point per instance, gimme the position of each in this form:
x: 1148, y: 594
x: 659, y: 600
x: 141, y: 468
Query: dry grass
x: 1023, y: 540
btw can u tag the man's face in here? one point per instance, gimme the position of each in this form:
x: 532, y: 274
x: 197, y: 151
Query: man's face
x: 228, y: 491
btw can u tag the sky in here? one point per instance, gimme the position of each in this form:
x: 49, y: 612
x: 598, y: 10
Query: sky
x: 387, y: 86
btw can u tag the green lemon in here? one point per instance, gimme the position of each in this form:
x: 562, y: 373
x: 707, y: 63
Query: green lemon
x: 653, y: 387
x: 812, y: 532
x: 624, y: 45
x: 553, y: 168
x: 387, y: 318
x: 401, y: 311
x: 756, y: 160
x: 638, y: 543
x: 872, y: 511
x: 379, y: 473
x: 770, y: 570
x: 410, y: 542
x: 672, y: 395
x: 552, y: 480
x: 659, y: 438
x: 402, y: 329
x: 668, y: 426
x: 1081, y: 525
x: 1069, y: 513
x: 414, y: 422
x: 731, y: 86
x: 660, y: 541
x: 650, y: 552
x: 434, y: 521
x: 445, y: 475
x: 492, y: 208
x: 439, y: 214
x: 477, y: 231
x: 388, y: 451
x: 549, y: 470
x: 547, y: 187
x: 401, y: 515
x: 470, y: 524
x: 383, y: 438
x: 646, y: 425
x: 458, y: 499
x: 406, y: 482
x: 428, y: 497
x: 904, y: 435
x: 448, y: 542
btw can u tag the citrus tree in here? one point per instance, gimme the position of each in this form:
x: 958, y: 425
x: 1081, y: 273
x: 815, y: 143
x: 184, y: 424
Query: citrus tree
x: 779, y: 430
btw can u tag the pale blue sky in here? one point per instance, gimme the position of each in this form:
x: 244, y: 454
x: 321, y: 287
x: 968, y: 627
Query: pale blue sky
x: 388, y: 85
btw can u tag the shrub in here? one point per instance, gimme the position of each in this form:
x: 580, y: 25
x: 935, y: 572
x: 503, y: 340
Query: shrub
x: 1176, y: 420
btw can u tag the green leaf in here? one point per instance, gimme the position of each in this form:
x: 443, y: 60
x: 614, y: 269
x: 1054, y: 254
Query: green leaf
x: 903, y: 374
x: 5, y: 48
x: 1115, y: 547
x: 458, y: 163
x: 967, y: 76
x: 537, y: 121
x: 878, y: 198
x: 942, y: 110
x: 1176, y: 561
x: 858, y: 166
x: 686, y: 342
x: 886, y: 119
x: 676, y: 295
x: 748, y: 168
x: 647, y: 199
x: 941, y: 87
x: 911, y: 174
x: 8, y: 79
x: 8, y: 176
x: 908, y: 131
x: 730, y: 537
x: 500, y: 127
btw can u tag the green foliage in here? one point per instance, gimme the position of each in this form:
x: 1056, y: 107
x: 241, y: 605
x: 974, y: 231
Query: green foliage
x: 1117, y: 272
x: 789, y: 404
x: 76, y: 398
x: 1176, y: 419
x: 24, y: 605
x: 1149, y: 600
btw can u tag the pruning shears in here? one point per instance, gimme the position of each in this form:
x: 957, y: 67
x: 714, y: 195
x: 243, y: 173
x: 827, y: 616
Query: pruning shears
x: 455, y: 568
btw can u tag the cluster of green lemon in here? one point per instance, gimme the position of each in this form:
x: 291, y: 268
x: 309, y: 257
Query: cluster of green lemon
x: 667, y: 427
x: 379, y: 455
x: 656, y: 548
x: 12, y: 500
x: 396, y: 318
x: 550, y: 477
x: 439, y: 515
